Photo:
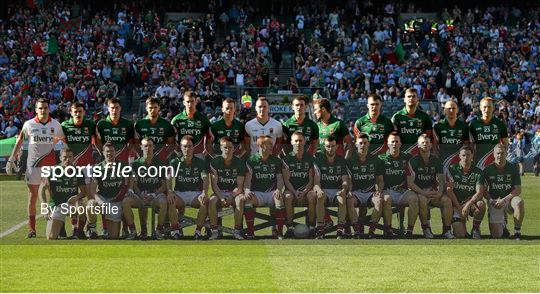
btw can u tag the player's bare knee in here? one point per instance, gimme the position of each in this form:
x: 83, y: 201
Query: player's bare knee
x: 387, y: 200
x: 239, y: 201
x: 481, y: 205
x: 519, y: 202
x: 311, y: 198
x: 377, y: 202
x: 213, y: 200
x: 351, y: 202
x: 445, y: 201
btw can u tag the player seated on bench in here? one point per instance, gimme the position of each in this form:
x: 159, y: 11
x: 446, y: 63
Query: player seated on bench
x: 366, y: 178
x: 298, y: 175
x: 503, y: 193
x: 465, y: 187
x: 64, y: 193
x: 227, y: 177
x: 331, y: 185
x: 425, y: 177
x: 263, y: 186
x: 111, y: 190
x: 395, y: 182
x: 145, y: 191
x: 190, y: 188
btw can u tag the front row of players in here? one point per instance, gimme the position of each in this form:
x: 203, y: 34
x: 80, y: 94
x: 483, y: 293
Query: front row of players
x: 393, y: 179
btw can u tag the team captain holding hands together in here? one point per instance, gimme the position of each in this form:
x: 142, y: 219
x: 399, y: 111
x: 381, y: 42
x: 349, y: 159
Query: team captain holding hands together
x: 404, y: 161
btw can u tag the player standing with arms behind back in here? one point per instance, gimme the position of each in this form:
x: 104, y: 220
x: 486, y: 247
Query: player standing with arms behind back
x: 43, y: 132
x: 411, y: 122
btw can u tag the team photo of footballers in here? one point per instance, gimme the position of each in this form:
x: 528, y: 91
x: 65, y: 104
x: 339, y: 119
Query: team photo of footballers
x: 269, y: 146
x: 383, y: 165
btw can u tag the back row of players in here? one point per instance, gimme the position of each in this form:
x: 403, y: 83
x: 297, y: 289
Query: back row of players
x: 401, y: 161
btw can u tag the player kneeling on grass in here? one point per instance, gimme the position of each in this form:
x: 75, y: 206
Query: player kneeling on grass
x: 146, y: 191
x: 263, y: 186
x: 65, y: 194
x: 366, y: 176
x: 503, y: 190
x: 425, y: 177
x: 227, y: 178
x: 190, y: 188
x: 331, y: 186
x: 395, y: 183
x: 298, y: 174
x: 111, y: 190
x: 465, y: 187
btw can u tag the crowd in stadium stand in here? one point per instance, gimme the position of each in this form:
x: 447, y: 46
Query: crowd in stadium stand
x: 64, y: 53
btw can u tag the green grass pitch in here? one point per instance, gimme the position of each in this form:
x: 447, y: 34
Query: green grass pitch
x: 266, y: 265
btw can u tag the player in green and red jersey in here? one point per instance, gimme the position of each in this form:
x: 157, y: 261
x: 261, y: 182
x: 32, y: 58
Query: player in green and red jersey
x: 64, y: 192
x: 395, y: 182
x: 190, y: 188
x: 375, y: 125
x: 80, y: 137
x: 298, y: 175
x: 227, y: 178
x: 228, y: 126
x: 157, y: 129
x: 450, y: 135
x: 300, y: 122
x: 425, y: 177
x: 331, y: 185
x: 486, y: 132
x: 366, y: 177
x: 263, y: 185
x: 117, y: 130
x: 145, y: 190
x: 111, y: 190
x: 503, y: 193
x: 193, y: 123
x: 411, y: 122
x: 465, y: 187
x: 330, y: 126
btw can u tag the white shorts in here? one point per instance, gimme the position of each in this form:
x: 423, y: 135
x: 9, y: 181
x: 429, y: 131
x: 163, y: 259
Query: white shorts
x: 496, y: 215
x: 115, y: 217
x: 264, y: 198
x: 456, y: 217
x: 363, y: 198
x: 331, y: 195
x: 398, y: 197
x: 139, y: 203
x: 187, y: 196
x: 33, y: 175
x: 61, y: 211
x: 87, y: 172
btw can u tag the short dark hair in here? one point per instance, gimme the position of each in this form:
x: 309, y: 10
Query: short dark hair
x: 42, y: 100
x: 300, y: 98
x: 77, y: 104
x: 330, y: 138
x: 375, y: 97
x: 362, y: 136
x: 152, y: 100
x: 228, y: 100
x: 113, y: 100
